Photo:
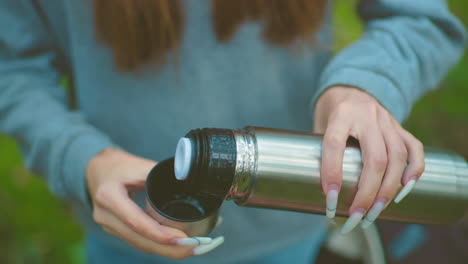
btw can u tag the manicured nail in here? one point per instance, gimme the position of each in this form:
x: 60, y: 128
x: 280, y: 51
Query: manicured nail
x: 332, y: 200
x: 352, y: 221
x: 219, y: 222
x: 332, y: 222
x: 374, y: 212
x: 405, y: 191
x: 192, y: 241
x: 207, y: 248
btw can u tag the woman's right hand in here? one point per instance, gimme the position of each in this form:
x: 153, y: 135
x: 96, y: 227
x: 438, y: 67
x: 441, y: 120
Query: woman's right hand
x: 111, y: 176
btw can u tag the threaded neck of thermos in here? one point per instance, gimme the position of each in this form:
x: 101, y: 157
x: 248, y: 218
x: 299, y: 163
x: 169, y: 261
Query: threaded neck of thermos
x: 210, y: 164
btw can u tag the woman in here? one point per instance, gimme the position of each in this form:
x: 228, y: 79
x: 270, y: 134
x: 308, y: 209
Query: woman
x: 146, y: 72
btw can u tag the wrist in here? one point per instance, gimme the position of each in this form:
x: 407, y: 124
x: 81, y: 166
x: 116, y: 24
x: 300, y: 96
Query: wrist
x: 99, y: 163
x: 332, y: 98
x: 337, y: 94
x: 101, y: 157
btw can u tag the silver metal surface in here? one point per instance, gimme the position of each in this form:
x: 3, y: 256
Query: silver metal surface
x: 281, y: 170
x: 199, y: 228
x: 245, y: 166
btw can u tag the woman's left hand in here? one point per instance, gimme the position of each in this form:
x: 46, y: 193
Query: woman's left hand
x: 390, y: 154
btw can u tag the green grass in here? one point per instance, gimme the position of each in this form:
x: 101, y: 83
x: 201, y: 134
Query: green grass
x: 35, y: 227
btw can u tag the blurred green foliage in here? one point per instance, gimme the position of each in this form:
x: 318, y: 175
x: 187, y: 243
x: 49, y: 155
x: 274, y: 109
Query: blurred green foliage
x: 37, y: 228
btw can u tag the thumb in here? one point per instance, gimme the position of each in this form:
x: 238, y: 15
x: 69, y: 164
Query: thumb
x: 137, y: 182
x: 135, y: 185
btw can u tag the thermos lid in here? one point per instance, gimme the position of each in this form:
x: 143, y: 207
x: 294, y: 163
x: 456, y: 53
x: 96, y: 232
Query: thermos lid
x: 183, y: 158
x: 205, y: 159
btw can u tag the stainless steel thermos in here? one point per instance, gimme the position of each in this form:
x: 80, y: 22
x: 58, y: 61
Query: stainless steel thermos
x: 278, y: 169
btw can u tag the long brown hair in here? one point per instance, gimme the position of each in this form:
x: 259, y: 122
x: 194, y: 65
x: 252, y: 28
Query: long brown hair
x: 143, y: 32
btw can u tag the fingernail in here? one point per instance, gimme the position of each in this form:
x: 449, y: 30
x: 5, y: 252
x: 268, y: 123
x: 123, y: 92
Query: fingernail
x: 374, y: 212
x: 207, y: 248
x: 192, y: 241
x: 406, y: 190
x: 332, y: 222
x: 332, y: 200
x: 352, y: 221
x: 219, y: 222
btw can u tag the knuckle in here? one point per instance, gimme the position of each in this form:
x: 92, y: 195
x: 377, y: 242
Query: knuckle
x: 369, y: 107
x: 103, y: 194
x: 401, y: 154
x: 419, y: 145
x: 341, y: 111
x: 370, y: 196
x: 331, y: 173
x: 379, y: 162
x: 132, y: 224
x: 342, y: 107
x: 332, y: 140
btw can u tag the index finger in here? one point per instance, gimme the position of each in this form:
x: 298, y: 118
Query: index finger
x: 333, y: 147
x: 331, y: 168
x: 119, y: 229
x: 136, y: 219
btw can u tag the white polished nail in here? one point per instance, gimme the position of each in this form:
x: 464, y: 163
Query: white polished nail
x: 352, y: 221
x: 332, y: 221
x: 207, y: 248
x: 332, y: 200
x: 405, y: 191
x: 218, y: 222
x: 193, y: 241
x: 373, y: 213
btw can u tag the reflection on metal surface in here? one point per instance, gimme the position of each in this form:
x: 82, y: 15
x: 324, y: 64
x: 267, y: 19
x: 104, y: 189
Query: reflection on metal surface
x: 281, y: 169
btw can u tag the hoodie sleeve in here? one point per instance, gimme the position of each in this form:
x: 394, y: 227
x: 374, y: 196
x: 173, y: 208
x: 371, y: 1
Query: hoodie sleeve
x: 55, y: 143
x: 406, y: 49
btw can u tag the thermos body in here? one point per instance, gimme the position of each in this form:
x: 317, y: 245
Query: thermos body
x: 279, y: 169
